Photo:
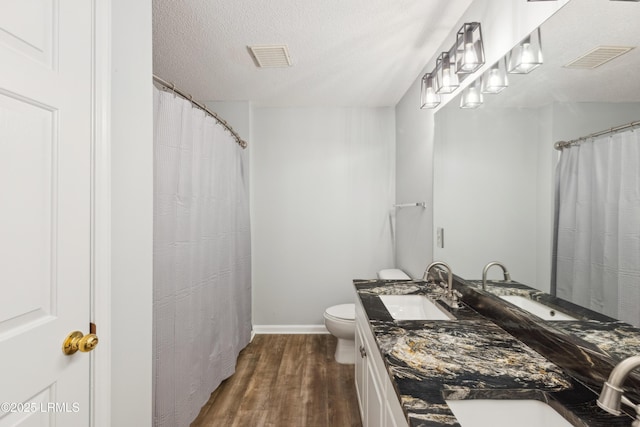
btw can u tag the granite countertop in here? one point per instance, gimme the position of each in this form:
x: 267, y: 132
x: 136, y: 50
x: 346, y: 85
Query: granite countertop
x: 587, y: 348
x: 614, y: 339
x: 472, y: 357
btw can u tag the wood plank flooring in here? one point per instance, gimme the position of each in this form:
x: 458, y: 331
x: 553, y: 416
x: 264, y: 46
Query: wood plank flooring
x: 285, y: 381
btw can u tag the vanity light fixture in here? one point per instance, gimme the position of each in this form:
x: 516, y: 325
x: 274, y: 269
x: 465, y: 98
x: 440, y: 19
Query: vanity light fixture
x: 429, y: 98
x: 471, y: 96
x: 495, y: 80
x: 527, y: 55
x: 446, y: 77
x: 469, y: 48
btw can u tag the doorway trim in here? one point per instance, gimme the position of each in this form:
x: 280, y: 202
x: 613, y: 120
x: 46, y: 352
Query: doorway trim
x: 100, y: 374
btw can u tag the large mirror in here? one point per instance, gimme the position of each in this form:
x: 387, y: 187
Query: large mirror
x: 494, y: 165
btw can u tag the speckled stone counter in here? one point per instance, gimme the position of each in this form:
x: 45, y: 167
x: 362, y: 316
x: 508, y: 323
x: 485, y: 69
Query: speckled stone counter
x: 472, y: 357
x: 587, y: 348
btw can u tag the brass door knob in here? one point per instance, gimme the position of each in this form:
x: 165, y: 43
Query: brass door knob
x: 76, y: 340
x: 88, y: 343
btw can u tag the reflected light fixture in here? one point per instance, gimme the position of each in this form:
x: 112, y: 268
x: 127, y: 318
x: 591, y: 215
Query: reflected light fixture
x: 495, y: 78
x: 446, y: 77
x: 429, y: 98
x: 471, y: 96
x: 526, y: 56
x: 469, y: 48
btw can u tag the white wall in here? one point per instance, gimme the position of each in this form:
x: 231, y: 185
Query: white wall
x: 414, y: 183
x: 132, y: 214
x: 238, y: 115
x: 573, y: 120
x: 504, y: 23
x: 322, y: 184
x: 485, y: 186
x: 546, y: 159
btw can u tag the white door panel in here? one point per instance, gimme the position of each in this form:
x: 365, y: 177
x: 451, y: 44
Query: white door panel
x: 45, y: 214
x: 29, y: 27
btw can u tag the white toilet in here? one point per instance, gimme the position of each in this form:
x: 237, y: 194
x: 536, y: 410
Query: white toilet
x: 340, y: 321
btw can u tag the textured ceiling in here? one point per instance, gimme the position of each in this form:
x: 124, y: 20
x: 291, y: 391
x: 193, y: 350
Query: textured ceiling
x: 344, y: 52
x: 574, y: 30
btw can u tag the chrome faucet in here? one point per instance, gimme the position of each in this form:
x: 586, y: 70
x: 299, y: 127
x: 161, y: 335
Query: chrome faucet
x: 507, y: 276
x: 611, y: 394
x: 451, y: 296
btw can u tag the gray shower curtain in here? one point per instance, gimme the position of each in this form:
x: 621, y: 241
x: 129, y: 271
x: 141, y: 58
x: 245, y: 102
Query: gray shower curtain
x: 201, y: 258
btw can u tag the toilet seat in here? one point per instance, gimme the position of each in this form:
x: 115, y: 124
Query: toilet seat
x: 342, y: 312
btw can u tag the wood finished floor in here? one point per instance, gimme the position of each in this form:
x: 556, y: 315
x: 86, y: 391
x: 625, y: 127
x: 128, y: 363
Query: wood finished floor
x: 285, y: 381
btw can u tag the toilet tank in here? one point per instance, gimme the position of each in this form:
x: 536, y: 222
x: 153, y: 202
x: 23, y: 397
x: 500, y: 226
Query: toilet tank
x: 392, y: 274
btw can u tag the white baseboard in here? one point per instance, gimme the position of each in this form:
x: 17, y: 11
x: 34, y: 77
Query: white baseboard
x: 289, y: 329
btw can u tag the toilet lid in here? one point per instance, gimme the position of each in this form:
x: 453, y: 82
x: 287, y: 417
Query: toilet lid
x: 343, y: 311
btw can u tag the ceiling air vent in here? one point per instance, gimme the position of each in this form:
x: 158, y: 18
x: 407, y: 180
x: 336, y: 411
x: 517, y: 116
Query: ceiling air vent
x: 598, y: 56
x: 270, y: 56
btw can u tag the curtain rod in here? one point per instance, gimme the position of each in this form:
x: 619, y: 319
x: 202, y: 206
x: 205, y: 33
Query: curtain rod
x: 563, y: 144
x: 188, y: 97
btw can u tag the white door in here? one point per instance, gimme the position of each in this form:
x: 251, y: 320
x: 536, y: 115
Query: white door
x: 45, y: 209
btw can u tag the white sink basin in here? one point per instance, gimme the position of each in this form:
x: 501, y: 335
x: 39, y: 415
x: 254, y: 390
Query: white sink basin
x: 536, y: 308
x: 413, y: 307
x: 506, y: 413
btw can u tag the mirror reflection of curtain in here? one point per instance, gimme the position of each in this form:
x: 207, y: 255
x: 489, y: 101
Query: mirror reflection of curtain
x: 201, y: 259
x: 597, y: 260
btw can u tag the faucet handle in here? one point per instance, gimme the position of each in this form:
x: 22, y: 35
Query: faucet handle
x: 455, y: 297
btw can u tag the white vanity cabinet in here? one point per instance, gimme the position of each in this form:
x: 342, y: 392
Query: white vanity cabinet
x: 379, y: 405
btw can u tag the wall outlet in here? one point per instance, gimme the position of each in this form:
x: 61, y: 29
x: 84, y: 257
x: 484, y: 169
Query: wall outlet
x: 440, y: 237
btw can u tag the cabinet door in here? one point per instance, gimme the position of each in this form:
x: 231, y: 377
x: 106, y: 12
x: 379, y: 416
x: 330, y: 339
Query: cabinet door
x: 390, y: 420
x: 375, y: 398
x: 360, y: 367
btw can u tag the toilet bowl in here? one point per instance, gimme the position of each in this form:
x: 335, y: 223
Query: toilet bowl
x: 340, y: 321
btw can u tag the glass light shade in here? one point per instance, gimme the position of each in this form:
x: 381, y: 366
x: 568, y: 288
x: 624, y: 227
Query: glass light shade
x: 526, y: 56
x: 429, y: 98
x: 495, y: 80
x: 471, y: 96
x: 446, y: 77
x: 469, y: 48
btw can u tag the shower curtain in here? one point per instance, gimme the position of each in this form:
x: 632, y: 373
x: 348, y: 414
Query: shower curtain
x: 201, y: 258
x: 598, y: 225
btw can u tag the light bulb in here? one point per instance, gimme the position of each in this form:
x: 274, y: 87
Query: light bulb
x: 474, y: 96
x: 527, y: 57
x: 431, y: 98
x: 446, y: 77
x: 495, y: 80
x: 471, y: 97
x: 470, y: 57
x: 469, y: 50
